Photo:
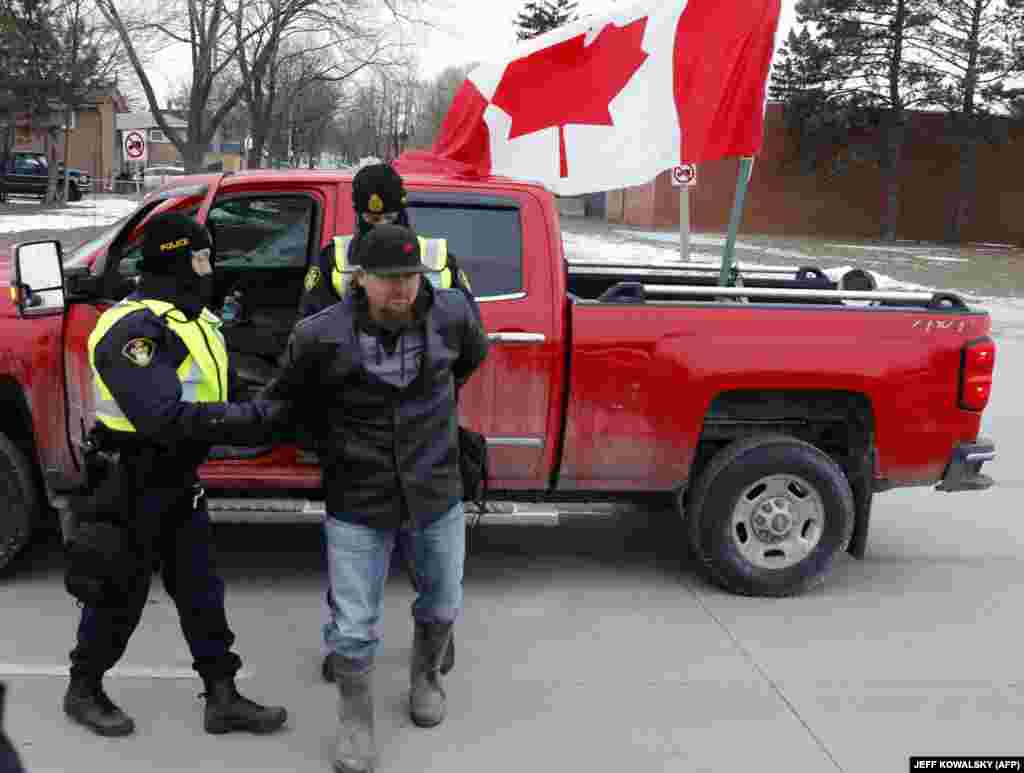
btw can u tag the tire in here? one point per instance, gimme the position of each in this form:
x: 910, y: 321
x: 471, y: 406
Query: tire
x: 74, y: 194
x: 768, y: 515
x: 21, y: 500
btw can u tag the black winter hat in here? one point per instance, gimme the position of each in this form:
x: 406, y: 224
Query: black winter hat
x: 378, y: 188
x: 388, y: 250
x: 170, y: 239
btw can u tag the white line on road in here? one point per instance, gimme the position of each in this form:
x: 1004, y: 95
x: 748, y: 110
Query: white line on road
x: 128, y: 672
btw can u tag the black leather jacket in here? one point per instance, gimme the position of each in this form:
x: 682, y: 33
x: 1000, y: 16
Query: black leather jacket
x: 387, y: 453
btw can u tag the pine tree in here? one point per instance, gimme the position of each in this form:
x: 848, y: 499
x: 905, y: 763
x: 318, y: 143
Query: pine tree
x: 977, y: 47
x: 865, y: 64
x: 540, y: 16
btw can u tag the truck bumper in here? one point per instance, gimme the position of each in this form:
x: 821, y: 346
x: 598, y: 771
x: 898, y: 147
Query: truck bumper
x: 963, y: 473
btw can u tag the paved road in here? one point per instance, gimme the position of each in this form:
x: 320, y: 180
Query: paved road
x: 593, y: 646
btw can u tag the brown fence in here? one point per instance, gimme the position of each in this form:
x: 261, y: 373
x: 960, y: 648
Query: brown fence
x: 781, y: 200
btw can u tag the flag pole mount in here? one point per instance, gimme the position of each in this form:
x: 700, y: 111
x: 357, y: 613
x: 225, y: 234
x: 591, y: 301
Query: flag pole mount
x: 727, y: 276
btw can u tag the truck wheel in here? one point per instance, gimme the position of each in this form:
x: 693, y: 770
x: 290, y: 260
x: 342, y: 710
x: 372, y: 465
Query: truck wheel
x: 20, y: 498
x: 73, y: 193
x: 768, y: 515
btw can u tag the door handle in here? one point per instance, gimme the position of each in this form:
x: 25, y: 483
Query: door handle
x: 517, y: 338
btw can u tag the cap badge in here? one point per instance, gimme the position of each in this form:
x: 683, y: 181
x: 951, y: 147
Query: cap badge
x: 376, y: 203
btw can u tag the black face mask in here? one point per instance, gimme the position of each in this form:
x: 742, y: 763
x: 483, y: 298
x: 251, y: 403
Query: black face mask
x: 363, y: 228
x: 193, y: 292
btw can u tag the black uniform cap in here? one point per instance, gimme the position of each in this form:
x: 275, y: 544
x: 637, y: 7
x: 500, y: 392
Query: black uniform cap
x: 171, y: 238
x: 378, y: 188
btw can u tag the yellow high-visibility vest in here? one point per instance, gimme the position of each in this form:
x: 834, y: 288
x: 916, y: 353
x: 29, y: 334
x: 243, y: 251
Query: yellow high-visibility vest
x: 203, y: 373
x: 433, y: 253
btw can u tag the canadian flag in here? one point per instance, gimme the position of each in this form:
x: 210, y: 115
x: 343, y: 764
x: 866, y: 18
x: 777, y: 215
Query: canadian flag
x: 612, y: 102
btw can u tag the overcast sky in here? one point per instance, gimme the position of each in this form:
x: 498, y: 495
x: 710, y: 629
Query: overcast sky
x: 464, y: 31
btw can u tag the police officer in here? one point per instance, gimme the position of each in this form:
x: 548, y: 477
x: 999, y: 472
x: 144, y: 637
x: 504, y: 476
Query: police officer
x: 378, y: 198
x: 10, y: 762
x: 160, y: 372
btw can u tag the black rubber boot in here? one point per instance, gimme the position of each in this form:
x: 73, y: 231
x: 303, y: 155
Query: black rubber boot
x: 355, y: 750
x: 86, y: 703
x: 426, y: 696
x: 227, y: 711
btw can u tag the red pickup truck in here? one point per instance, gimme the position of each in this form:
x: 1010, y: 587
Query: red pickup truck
x: 768, y: 414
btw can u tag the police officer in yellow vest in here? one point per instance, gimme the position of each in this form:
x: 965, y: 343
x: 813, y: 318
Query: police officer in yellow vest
x: 160, y: 370
x: 378, y: 197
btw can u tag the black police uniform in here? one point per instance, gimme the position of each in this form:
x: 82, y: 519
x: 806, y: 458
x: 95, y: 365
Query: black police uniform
x: 162, y: 503
x: 376, y: 188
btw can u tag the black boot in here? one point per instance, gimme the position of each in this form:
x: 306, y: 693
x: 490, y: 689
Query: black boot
x: 328, y: 664
x: 226, y: 710
x: 355, y: 750
x: 86, y: 703
x: 426, y: 696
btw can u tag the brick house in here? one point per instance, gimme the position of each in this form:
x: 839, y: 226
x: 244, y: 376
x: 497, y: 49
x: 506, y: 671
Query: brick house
x: 90, y: 134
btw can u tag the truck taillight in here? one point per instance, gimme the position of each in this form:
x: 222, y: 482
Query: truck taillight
x: 977, y: 363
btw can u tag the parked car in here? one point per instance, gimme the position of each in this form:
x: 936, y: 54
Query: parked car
x: 766, y: 415
x: 28, y: 174
x: 80, y: 178
x: 155, y: 176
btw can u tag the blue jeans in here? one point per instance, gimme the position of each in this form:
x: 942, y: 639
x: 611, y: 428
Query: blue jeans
x: 358, y: 560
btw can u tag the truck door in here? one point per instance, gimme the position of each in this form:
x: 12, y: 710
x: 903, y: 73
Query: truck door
x: 511, y: 398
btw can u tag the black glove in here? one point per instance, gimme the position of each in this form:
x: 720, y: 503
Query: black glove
x: 251, y: 423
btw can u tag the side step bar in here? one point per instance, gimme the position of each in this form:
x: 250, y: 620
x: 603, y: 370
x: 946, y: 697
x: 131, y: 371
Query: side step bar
x: 246, y: 510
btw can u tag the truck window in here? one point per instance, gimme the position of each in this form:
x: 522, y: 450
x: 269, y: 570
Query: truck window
x: 252, y: 233
x: 261, y: 232
x: 485, y: 238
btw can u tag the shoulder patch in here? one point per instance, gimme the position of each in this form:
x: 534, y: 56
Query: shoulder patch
x: 312, y: 278
x: 139, y: 351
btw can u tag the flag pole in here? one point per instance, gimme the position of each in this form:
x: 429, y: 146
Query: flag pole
x: 684, y: 222
x: 725, y: 277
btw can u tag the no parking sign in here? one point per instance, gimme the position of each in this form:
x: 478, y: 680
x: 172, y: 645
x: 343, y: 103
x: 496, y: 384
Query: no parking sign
x: 135, y: 146
x: 684, y: 174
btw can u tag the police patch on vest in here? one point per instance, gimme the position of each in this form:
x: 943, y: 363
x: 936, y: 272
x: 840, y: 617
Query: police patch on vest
x: 312, y: 278
x: 139, y: 351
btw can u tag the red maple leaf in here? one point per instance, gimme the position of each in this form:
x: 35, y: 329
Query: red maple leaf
x: 570, y: 83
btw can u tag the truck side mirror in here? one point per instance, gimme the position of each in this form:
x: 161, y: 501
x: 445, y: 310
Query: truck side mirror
x: 38, y: 287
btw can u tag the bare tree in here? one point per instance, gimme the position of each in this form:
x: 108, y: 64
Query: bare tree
x: 323, y: 44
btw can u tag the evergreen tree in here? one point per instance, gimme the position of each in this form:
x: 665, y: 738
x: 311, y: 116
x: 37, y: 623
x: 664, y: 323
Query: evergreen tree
x: 540, y: 16
x: 977, y: 47
x: 862, y: 67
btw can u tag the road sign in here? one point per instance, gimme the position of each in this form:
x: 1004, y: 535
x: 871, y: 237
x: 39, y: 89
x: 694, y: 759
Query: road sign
x: 135, y: 145
x: 684, y: 174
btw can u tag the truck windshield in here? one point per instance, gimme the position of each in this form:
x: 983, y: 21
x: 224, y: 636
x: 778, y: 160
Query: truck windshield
x: 485, y: 238
x: 85, y: 254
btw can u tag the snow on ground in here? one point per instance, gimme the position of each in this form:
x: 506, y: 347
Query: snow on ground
x: 596, y: 249
x: 93, y: 211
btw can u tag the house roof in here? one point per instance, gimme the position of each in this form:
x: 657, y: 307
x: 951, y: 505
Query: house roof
x: 127, y: 121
